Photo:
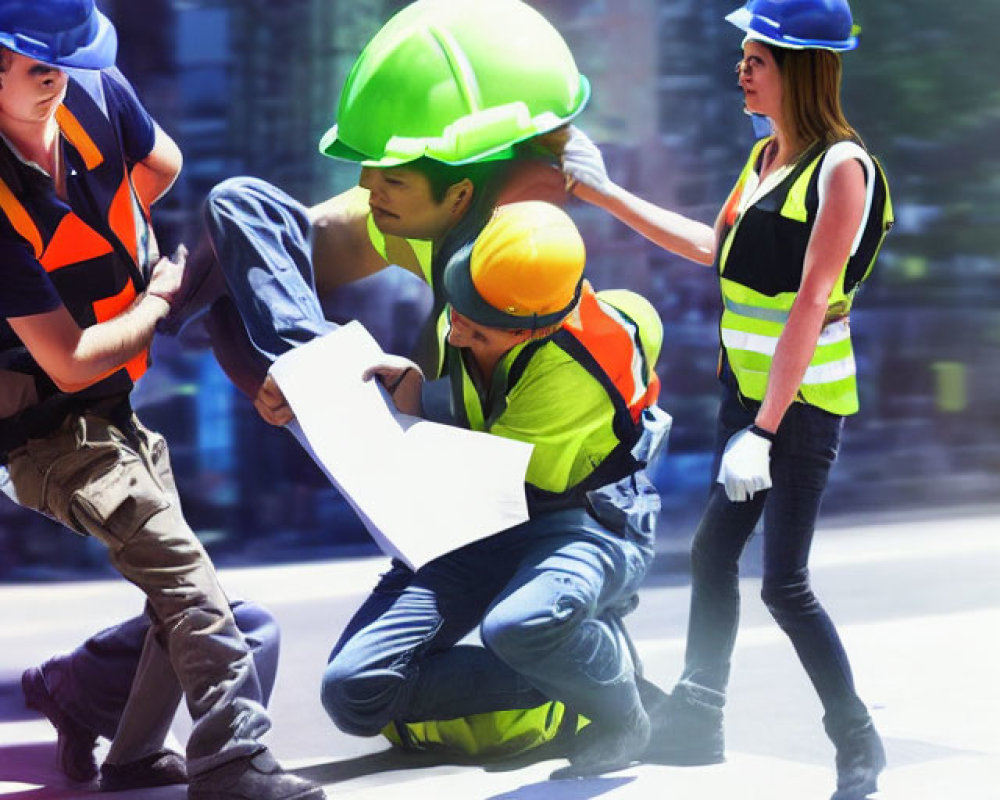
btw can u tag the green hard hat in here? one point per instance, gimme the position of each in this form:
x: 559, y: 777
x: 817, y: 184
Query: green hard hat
x: 456, y: 81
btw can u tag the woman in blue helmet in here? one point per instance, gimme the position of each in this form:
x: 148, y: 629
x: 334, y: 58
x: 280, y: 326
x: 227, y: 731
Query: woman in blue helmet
x: 797, y: 235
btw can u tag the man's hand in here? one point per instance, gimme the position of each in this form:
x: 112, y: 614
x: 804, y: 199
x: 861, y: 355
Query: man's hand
x: 582, y: 164
x: 271, y: 404
x: 746, y: 465
x: 402, y: 379
x: 166, y: 276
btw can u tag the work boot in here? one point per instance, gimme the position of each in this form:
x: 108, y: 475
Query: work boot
x: 686, y: 725
x: 256, y: 777
x: 860, y: 759
x: 164, y: 768
x: 75, y: 744
x: 606, y: 747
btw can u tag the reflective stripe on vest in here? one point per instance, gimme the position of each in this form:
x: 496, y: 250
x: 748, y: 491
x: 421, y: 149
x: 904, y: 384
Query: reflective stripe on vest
x: 78, y: 137
x: 834, y: 344
x: 753, y: 321
x: 127, y: 217
x: 20, y: 218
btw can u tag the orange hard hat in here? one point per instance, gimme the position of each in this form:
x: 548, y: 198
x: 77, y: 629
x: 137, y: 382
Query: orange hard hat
x: 524, y: 270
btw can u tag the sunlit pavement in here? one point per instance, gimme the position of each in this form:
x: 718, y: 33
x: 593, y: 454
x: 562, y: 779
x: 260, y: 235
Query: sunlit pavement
x: 917, y: 603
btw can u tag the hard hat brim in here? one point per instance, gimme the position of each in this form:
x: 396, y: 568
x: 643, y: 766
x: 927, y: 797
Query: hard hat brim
x: 100, y: 53
x: 331, y: 144
x: 462, y: 295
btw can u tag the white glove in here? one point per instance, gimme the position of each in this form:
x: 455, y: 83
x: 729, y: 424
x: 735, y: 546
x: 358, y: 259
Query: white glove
x: 746, y: 465
x: 582, y: 162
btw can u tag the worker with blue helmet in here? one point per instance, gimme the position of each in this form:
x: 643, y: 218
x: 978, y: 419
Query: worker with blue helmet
x: 791, y: 246
x: 81, y: 163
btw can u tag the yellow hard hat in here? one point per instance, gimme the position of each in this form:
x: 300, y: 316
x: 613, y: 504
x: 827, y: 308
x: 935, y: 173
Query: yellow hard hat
x: 524, y: 270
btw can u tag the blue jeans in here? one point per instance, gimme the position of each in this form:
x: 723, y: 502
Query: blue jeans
x: 262, y: 241
x: 546, y: 597
x: 801, y: 457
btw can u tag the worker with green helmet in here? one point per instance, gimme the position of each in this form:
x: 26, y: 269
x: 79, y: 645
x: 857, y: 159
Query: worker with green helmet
x: 472, y: 139
x: 798, y: 235
x: 532, y: 353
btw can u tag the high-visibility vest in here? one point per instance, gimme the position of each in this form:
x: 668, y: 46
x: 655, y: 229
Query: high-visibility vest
x: 96, y: 265
x: 612, y: 339
x: 492, y: 734
x: 760, y: 261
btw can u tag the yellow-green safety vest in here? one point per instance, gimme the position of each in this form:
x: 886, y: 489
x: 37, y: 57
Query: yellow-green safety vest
x: 585, y: 424
x: 492, y: 734
x: 760, y: 261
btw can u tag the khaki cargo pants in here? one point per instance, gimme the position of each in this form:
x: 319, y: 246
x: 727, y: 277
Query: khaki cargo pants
x: 114, y: 482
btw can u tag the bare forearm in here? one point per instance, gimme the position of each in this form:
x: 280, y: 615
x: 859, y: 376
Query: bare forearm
x: 791, y: 360
x: 672, y: 231
x: 828, y: 251
x: 103, y: 348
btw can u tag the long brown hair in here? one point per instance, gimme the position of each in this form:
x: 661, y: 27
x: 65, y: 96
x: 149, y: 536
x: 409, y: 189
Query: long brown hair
x: 811, y: 104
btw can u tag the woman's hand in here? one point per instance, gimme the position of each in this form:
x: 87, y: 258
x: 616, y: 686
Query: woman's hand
x: 583, y: 165
x: 402, y: 379
x: 746, y: 464
x: 272, y: 405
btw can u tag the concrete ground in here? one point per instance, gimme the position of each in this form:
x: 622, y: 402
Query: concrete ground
x: 916, y: 601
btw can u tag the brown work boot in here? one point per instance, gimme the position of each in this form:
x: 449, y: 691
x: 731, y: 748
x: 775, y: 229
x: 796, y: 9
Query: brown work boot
x: 256, y: 777
x: 75, y: 743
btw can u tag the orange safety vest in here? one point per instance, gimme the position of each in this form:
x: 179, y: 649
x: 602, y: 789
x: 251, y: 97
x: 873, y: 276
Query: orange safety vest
x: 96, y: 268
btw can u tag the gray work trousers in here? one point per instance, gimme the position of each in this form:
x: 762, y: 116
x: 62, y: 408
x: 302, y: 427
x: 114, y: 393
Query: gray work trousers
x: 112, y: 481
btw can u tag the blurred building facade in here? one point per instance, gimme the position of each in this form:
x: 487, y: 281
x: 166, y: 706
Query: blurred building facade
x: 248, y: 86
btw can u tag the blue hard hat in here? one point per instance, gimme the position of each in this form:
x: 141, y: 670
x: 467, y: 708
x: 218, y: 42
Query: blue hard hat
x: 798, y: 24
x: 64, y: 33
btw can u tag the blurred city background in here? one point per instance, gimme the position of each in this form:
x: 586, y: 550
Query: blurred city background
x: 248, y: 86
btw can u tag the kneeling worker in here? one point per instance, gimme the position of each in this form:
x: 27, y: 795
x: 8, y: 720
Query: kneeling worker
x: 533, y: 354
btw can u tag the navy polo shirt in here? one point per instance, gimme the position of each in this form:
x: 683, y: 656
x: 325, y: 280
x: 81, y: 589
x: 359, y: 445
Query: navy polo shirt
x: 25, y: 287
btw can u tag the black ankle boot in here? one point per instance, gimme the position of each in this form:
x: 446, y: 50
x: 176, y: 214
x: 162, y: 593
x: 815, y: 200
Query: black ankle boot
x: 686, y: 725
x: 860, y: 759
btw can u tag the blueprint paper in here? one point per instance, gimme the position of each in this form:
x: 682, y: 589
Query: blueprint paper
x: 422, y: 489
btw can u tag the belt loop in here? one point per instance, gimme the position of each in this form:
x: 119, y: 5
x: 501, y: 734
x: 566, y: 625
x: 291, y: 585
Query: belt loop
x: 79, y: 429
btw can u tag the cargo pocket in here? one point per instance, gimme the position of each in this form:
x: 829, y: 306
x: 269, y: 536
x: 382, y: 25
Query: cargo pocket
x: 116, y: 504
x: 59, y: 478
